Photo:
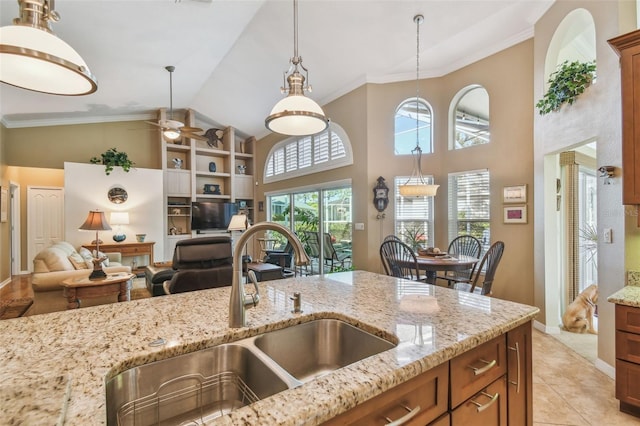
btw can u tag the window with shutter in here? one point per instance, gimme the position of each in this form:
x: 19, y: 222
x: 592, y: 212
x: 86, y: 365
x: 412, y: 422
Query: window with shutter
x: 469, y: 208
x: 414, y: 216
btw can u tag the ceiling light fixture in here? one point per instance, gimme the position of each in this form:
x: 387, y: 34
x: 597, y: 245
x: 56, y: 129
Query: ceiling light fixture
x: 296, y: 114
x: 33, y: 58
x: 172, y: 126
x: 417, y: 185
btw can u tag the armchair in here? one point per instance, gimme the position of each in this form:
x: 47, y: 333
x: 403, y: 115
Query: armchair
x: 198, y: 263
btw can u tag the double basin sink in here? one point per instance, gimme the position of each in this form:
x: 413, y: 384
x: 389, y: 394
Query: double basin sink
x: 197, y: 387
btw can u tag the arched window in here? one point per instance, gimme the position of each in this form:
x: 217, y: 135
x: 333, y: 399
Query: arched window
x: 469, y: 120
x: 304, y: 155
x: 412, y: 116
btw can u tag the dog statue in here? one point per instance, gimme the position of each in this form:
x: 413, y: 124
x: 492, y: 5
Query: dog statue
x: 578, y: 317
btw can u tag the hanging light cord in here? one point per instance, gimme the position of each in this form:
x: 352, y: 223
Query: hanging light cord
x: 418, y: 20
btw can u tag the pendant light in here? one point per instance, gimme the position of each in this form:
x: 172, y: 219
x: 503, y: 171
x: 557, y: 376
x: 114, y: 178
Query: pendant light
x: 416, y: 185
x: 296, y: 114
x: 33, y: 58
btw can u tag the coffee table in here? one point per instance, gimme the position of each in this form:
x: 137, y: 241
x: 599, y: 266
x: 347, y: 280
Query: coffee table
x: 76, y: 289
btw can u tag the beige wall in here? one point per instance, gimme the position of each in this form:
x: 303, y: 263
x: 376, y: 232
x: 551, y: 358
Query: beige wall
x: 596, y: 117
x: 5, y: 271
x: 35, y: 156
x: 508, y: 78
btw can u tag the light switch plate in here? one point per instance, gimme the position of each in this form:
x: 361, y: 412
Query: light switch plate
x: 608, y: 237
x: 359, y: 226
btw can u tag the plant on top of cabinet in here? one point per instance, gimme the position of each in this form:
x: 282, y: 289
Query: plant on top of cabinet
x: 111, y: 158
x: 565, y: 84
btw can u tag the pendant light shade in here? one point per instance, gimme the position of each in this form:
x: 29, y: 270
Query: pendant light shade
x: 33, y: 58
x: 296, y: 115
x: 417, y: 185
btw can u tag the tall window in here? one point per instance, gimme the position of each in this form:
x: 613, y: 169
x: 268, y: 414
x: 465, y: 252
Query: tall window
x: 414, y: 217
x: 405, y: 127
x: 469, y: 212
x: 470, y: 118
x: 304, y: 155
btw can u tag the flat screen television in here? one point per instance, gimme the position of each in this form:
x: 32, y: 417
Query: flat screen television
x: 207, y: 215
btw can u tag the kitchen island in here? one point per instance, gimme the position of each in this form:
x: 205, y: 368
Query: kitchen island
x: 54, y: 366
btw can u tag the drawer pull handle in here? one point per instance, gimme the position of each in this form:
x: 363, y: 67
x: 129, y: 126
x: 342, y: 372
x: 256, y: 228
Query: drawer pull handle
x: 402, y: 420
x: 481, y: 407
x: 517, y: 382
x: 482, y: 370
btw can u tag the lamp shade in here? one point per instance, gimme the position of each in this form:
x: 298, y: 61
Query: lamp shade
x: 119, y: 218
x: 418, y: 190
x: 96, y: 221
x: 239, y: 222
x: 296, y: 115
x: 34, y: 59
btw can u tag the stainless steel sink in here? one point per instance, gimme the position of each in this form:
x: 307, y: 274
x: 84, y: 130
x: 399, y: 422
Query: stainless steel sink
x: 194, y: 388
x: 314, y: 348
x: 191, y: 388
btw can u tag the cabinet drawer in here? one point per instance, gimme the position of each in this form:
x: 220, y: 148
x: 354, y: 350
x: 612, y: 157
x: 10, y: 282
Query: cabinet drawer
x: 487, y: 407
x: 444, y: 420
x: 476, y: 369
x: 628, y: 319
x: 628, y: 346
x: 133, y: 250
x: 427, y: 391
x: 628, y: 382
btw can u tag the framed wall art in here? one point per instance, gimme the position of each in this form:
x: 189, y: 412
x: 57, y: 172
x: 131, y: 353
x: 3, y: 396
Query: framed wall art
x: 515, y: 194
x: 515, y: 214
x: 4, y: 202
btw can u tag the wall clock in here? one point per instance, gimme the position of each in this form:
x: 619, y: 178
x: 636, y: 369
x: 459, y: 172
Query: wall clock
x: 117, y: 195
x: 380, y: 195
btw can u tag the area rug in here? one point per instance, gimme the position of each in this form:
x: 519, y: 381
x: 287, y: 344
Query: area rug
x: 139, y: 289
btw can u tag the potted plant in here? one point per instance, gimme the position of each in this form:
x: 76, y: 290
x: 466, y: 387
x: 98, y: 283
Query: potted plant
x: 111, y: 158
x: 565, y: 84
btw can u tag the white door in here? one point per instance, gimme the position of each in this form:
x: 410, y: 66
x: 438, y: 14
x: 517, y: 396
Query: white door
x: 45, y: 219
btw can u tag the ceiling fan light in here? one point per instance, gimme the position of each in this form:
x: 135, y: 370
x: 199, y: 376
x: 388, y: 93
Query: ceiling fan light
x: 172, y: 134
x: 34, y: 59
x: 296, y: 115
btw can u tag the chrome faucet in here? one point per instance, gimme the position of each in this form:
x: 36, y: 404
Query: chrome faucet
x: 239, y: 301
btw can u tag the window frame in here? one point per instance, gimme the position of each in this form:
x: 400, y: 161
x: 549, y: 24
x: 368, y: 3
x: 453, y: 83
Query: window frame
x: 399, y: 220
x: 453, y: 229
x: 427, y: 146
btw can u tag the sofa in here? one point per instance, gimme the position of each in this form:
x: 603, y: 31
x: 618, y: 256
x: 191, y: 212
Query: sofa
x: 58, y: 262
x: 198, y: 263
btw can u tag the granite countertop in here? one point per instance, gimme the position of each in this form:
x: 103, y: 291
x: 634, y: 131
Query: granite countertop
x: 628, y: 295
x: 54, y: 366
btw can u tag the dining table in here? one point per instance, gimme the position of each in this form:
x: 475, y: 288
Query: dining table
x: 432, y: 264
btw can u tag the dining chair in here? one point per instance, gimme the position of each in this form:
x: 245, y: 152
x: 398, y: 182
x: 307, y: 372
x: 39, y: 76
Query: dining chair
x: 467, y: 245
x: 399, y: 260
x: 489, y: 263
x: 391, y: 237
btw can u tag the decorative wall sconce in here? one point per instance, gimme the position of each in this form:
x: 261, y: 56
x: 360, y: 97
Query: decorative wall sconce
x: 607, y: 172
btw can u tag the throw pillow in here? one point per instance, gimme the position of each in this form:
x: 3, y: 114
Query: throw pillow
x: 87, y: 256
x: 77, y: 261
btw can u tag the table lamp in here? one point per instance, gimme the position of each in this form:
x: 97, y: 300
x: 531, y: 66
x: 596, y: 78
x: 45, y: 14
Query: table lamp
x: 239, y: 222
x: 96, y: 221
x: 119, y: 219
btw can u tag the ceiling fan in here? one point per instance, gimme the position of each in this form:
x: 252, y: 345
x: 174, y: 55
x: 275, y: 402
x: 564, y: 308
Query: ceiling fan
x: 174, y: 129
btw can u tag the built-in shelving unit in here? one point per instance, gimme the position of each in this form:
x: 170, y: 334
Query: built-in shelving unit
x: 195, y: 170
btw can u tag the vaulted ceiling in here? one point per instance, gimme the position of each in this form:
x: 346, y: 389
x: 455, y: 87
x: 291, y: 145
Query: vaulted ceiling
x: 230, y: 54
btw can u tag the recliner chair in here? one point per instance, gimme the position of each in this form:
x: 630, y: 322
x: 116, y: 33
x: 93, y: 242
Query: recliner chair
x: 198, y: 263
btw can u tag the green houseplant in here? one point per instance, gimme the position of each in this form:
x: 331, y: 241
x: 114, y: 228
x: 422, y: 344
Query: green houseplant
x: 111, y: 158
x: 565, y: 84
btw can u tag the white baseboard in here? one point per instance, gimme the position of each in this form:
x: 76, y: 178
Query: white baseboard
x: 5, y: 282
x: 545, y: 328
x: 605, y: 368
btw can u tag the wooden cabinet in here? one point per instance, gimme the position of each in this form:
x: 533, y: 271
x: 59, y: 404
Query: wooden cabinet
x: 129, y: 250
x: 420, y: 400
x: 519, y: 375
x: 488, y: 385
x: 628, y: 359
x: 628, y: 48
x: 178, y: 183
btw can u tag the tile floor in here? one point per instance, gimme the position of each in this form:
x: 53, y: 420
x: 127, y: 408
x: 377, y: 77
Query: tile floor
x: 569, y: 391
